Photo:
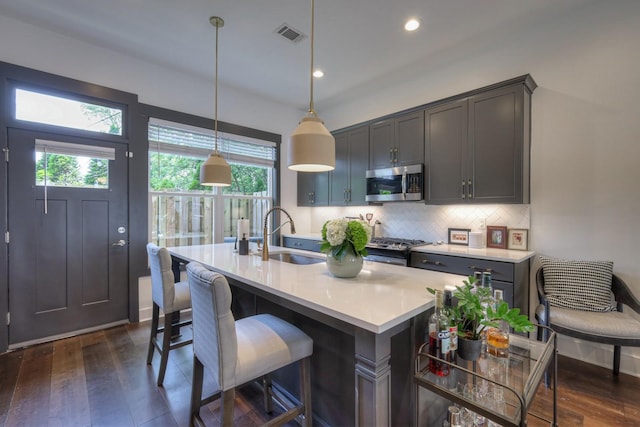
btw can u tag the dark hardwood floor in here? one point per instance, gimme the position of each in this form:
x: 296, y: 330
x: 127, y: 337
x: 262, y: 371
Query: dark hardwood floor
x: 101, y: 379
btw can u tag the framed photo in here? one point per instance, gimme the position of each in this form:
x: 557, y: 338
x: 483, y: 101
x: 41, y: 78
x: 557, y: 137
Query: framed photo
x: 459, y: 236
x: 496, y: 237
x: 518, y: 238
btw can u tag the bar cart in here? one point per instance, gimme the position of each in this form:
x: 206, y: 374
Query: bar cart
x: 490, y: 391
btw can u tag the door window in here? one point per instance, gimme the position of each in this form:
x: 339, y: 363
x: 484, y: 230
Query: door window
x: 62, y: 164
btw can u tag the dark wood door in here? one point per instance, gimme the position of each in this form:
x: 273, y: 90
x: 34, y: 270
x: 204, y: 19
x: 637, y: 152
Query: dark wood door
x: 339, y: 177
x: 446, y: 153
x: 68, y: 267
x: 409, y: 139
x: 358, y: 165
x: 496, y: 145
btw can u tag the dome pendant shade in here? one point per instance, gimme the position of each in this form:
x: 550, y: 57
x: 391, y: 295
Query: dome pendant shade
x: 311, y: 147
x: 215, y: 171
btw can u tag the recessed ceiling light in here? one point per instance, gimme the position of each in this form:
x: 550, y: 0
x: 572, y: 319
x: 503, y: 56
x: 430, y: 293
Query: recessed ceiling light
x: 318, y: 73
x: 412, y: 24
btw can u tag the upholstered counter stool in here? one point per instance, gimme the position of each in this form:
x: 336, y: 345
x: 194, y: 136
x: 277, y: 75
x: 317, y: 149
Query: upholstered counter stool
x: 238, y: 352
x: 171, y: 298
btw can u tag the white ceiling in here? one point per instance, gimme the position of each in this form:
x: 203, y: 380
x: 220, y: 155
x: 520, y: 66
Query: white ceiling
x: 358, y: 43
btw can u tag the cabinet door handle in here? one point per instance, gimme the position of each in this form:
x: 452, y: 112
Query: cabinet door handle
x: 395, y: 155
x: 313, y: 197
x: 470, y: 189
x: 463, y: 190
x: 391, y: 155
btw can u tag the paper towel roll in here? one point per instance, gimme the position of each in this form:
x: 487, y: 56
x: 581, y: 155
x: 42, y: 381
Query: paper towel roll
x: 476, y: 239
x: 243, y: 228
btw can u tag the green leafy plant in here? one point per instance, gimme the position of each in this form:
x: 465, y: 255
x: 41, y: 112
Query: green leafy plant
x: 339, y: 234
x: 475, y: 312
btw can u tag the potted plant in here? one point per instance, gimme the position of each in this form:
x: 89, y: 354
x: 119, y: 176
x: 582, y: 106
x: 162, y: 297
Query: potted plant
x: 344, y: 241
x: 476, y: 311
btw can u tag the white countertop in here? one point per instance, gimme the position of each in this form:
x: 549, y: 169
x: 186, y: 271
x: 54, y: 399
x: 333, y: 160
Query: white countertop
x: 379, y: 298
x: 504, y: 255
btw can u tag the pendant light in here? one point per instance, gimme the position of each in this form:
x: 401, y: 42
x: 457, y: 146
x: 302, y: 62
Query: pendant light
x: 215, y: 171
x: 311, y: 147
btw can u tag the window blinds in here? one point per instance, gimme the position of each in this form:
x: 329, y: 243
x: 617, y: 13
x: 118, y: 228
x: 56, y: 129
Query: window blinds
x: 180, y: 139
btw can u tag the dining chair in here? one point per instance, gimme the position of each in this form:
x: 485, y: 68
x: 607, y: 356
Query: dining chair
x: 239, y: 352
x: 170, y: 297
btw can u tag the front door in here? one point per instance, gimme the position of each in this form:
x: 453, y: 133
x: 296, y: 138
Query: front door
x: 67, y: 216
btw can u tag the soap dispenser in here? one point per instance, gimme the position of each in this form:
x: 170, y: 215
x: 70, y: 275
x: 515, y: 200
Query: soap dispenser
x: 244, y: 245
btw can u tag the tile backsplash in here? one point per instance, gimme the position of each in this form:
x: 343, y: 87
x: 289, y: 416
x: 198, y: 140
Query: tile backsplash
x: 430, y: 223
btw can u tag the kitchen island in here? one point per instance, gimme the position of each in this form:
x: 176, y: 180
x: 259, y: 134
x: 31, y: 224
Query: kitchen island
x: 366, y: 330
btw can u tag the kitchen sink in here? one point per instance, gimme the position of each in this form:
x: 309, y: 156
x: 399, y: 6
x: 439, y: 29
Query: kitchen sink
x: 292, y: 258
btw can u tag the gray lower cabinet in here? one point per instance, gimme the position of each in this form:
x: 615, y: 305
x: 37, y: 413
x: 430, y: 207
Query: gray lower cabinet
x: 301, y: 243
x: 313, y: 188
x: 347, y: 184
x: 511, y: 278
x: 397, y: 141
x: 477, y: 148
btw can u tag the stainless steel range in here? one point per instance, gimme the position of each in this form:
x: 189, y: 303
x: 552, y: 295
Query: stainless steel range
x: 392, y: 250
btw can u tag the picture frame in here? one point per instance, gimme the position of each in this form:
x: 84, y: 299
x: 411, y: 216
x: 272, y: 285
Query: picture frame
x: 459, y: 236
x: 497, y: 236
x: 518, y: 239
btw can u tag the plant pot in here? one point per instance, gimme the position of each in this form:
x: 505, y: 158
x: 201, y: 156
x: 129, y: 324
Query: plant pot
x: 347, y: 267
x: 469, y: 349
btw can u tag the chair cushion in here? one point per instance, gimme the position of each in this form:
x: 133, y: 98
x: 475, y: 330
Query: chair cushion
x: 267, y: 343
x: 612, y: 324
x: 578, y: 285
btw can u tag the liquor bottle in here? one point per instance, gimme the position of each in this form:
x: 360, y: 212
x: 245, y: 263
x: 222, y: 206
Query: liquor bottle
x: 439, y: 338
x: 498, y: 338
x: 486, y: 280
x: 453, y: 324
x: 478, y: 277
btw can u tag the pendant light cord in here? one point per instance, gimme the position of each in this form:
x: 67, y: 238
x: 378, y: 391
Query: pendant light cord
x: 311, y: 109
x: 215, y: 137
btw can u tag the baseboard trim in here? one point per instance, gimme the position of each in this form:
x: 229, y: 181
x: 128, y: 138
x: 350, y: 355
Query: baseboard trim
x: 66, y: 335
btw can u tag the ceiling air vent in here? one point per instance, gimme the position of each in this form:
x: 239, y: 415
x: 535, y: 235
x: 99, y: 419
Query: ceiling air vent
x: 290, y: 33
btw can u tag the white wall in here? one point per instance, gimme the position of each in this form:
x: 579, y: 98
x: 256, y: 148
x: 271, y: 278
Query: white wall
x: 585, y: 121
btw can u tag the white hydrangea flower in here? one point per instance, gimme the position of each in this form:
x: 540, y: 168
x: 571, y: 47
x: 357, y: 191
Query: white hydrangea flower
x: 336, y: 231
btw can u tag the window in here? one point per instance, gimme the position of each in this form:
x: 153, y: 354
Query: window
x: 61, y: 164
x: 182, y: 212
x: 58, y: 111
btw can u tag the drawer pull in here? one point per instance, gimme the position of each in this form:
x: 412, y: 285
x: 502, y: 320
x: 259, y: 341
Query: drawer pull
x: 426, y: 261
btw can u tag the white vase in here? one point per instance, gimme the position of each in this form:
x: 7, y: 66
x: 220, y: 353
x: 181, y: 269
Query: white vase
x: 349, y: 266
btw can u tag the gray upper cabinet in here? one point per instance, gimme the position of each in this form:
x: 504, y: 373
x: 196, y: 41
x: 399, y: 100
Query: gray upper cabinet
x: 313, y: 188
x: 347, y: 185
x: 397, y: 141
x: 477, y: 148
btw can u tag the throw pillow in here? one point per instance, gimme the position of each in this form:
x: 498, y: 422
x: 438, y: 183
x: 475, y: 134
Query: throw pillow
x: 578, y: 285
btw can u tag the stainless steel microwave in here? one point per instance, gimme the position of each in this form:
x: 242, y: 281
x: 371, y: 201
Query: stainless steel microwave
x: 397, y: 184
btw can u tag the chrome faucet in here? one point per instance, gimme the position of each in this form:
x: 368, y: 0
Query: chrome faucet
x: 265, y: 233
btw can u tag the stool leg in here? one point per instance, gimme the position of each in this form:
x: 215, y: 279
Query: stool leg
x: 305, y: 389
x: 267, y: 390
x: 166, y: 345
x: 196, y: 390
x: 228, y: 400
x: 154, y: 332
x: 616, y: 360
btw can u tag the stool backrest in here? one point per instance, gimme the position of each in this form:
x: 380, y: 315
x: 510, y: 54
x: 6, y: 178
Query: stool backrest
x: 215, y: 342
x: 162, y: 282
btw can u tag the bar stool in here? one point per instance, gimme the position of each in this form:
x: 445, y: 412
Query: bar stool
x: 171, y: 298
x: 238, y: 352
